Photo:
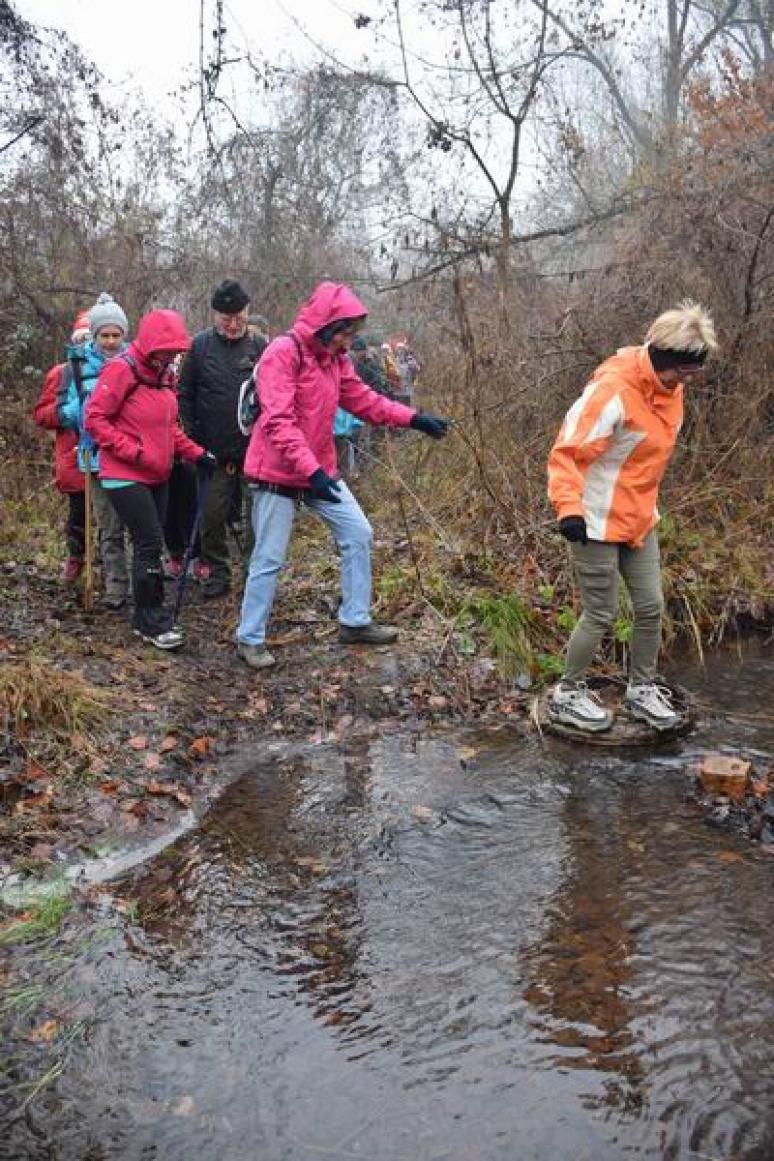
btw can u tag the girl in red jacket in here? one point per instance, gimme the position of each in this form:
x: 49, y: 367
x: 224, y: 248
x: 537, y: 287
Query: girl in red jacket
x: 132, y: 417
x: 68, y: 477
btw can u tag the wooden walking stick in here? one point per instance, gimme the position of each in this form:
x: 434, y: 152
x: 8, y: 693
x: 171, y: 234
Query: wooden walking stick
x: 88, y: 587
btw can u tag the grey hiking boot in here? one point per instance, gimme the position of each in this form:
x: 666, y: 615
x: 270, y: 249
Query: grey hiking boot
x: 651, y: 703
x: 574, y: 704
x: 256, y: 656
x: 372, y: 634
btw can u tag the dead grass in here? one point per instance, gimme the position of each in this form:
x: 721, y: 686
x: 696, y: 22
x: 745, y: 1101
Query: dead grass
x: 41, y: 703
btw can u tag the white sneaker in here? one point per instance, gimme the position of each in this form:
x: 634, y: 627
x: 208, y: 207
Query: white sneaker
x: 651, y: 703
x: 170, y: 639
x: 574, y: 704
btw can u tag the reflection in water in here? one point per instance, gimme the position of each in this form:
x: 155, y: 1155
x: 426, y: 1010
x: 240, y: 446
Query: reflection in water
x: 389, y: 953
x: 580, y: 969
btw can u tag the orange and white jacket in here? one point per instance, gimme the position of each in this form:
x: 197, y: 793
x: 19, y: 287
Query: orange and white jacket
x: 613, y: 449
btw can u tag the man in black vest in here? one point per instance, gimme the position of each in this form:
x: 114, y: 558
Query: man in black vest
x: 220, y: 359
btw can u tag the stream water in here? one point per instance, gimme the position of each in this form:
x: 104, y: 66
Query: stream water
x: 433, y: 947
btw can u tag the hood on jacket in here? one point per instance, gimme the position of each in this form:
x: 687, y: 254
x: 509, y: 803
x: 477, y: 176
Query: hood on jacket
x: 328, y: 303
x: 161, y: 330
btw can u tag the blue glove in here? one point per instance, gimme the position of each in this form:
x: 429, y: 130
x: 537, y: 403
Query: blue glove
x: 430, y: 425
x: 324, y: 487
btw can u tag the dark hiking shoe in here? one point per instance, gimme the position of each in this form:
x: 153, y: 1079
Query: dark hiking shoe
x: 372, y: 634
x: 114, y: 601
x: 214, y: 589
x: 575, y: 705
x: 169, y: 639
x: 256, y: 656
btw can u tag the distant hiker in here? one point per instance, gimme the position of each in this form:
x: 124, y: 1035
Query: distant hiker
x: 603, y: 476
x: 69, y: 480
x: 368, y: 367
x: 390, y: 368
x: 259, y: 328
x: 219, y: 361
x: 132, y: 416
x: 408, y: 368
x: 109, y: 330
x: 302, y: 378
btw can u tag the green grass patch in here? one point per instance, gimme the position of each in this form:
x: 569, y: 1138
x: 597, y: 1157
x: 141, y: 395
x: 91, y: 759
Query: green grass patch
x: 44, y: 918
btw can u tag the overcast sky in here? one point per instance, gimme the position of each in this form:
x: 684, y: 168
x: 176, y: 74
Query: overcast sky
x: 154, y: 44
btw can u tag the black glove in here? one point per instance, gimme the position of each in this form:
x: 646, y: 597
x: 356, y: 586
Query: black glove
x: 573, y: 528
x: 324, y: 487
x: 430, y: 425
x: 207, y: 463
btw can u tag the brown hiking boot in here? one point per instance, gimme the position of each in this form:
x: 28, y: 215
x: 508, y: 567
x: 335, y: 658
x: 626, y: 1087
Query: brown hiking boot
x: 372, y: 634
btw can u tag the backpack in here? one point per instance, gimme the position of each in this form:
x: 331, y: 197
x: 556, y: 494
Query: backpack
x: 248, y: 403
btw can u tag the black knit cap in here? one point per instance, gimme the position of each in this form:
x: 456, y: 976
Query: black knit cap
x: 230, y: 297
x: 666, y: 359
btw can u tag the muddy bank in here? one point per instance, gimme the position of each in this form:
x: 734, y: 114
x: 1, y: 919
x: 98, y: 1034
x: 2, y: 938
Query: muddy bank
x: 162, y: 745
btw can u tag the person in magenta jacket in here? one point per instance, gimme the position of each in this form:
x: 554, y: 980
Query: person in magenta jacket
x: 132, y: 417
x: 303, y: 377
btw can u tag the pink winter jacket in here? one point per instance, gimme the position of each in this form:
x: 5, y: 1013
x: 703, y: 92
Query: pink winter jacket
x: 132, y: 413
x: 299, y: 394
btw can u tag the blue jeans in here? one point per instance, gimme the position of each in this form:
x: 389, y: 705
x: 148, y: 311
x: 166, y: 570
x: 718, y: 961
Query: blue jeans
x: 272, y: 524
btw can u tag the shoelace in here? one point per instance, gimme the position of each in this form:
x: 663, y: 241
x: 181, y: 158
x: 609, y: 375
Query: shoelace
x: 581, y: 689
x: 661, y: 695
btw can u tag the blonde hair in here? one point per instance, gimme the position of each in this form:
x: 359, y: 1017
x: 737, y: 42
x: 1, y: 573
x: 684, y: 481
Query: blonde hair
x: 688, y: 327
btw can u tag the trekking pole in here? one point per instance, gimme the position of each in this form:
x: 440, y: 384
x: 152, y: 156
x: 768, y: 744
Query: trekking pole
x: 189, y: 549
x: 88, y: 585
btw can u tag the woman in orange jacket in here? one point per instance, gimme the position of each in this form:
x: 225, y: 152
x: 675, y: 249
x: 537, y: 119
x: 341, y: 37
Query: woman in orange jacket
x: 604, y: 472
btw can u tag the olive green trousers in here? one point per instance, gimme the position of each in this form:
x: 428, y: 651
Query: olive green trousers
x: 598, y: 566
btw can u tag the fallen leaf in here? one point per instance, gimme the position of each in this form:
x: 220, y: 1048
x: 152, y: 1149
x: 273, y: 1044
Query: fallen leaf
x: 728, y: 856
x: 109, y: 785
x: 33, y: 801
x: 423, y: 813
x: 44, y: 1033
x: 42, y: 852
x: 32, y: 771
x: 465, y: 753
x: 152, y: 761
x: 437, y: 702
x: 759, y: 787
x: 168, y: 743
x: 199, y: 747
x: 171, y: 789
x: 316, y: 866
x: 138, y: 743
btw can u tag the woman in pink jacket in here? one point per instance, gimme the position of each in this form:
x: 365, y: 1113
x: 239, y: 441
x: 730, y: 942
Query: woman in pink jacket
x: 132, y: 417
x: 303, y: 377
